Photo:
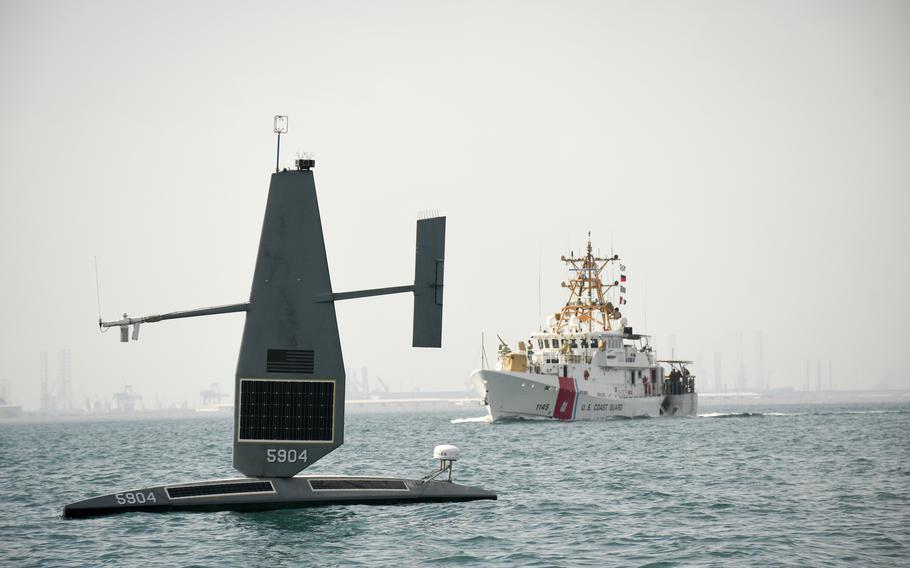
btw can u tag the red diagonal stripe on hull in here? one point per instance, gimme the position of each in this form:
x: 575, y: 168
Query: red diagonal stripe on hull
x: 565, y: 399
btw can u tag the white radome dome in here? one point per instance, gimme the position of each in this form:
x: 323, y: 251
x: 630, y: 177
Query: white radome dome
x: 446, y: 452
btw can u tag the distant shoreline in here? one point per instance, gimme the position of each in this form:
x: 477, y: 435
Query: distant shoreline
x: 790, y: 397
x: 430, y: 403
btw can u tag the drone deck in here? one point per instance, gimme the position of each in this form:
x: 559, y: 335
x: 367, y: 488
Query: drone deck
x: 268, y: 493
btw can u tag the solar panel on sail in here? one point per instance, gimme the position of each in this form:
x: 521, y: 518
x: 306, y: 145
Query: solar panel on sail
x: 289, y: 410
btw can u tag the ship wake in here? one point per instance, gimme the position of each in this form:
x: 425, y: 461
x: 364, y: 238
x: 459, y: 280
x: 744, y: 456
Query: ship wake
x: 731, y: 415
x: 485, y: 419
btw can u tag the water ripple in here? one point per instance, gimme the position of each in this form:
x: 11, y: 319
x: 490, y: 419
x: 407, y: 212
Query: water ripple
x: 821, y: 486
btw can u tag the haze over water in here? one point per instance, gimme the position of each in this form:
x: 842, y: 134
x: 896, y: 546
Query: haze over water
x: 748, y: 161
x: 819, y: 485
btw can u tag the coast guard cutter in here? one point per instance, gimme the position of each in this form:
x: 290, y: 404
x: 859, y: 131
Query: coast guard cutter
x: 587, y: 363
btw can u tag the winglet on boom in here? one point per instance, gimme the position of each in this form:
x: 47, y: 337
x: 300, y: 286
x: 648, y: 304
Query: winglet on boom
x: 428, y: 281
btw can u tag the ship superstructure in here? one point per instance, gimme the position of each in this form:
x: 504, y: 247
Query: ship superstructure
x: 587, y: 363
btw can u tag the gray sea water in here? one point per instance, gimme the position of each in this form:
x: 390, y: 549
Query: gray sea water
x: 799, y: 486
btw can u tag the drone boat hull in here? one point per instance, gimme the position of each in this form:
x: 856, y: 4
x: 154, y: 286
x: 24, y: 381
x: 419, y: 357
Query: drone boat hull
x: 270, y: 493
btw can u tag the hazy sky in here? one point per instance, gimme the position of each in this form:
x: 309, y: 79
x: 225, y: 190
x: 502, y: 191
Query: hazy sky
x: 749, y: 160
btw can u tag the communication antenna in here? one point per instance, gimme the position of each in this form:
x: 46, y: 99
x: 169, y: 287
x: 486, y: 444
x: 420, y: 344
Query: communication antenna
x: 98, y: 295
x: 539, y: 315
x: 646, y: 303
x: 280, y: 127
x: 305, y: 161
x: 484, y: 364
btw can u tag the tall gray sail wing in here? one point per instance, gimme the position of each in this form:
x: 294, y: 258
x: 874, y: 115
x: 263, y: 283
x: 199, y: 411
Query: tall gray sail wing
x: 290, y: 374
x: 289, y: 386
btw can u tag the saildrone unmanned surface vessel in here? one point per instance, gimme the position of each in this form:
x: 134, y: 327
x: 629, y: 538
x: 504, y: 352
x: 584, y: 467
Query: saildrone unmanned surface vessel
x: 289, y: 385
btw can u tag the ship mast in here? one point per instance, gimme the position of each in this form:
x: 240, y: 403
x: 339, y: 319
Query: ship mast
x: 586, y: 293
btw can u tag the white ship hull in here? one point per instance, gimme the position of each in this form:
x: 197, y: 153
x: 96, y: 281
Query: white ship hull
x: 510, y: 394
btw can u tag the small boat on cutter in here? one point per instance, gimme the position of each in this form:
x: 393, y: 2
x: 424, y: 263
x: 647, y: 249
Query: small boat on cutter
x: 587, y: 364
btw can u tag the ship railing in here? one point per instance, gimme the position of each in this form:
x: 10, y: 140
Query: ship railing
x: 679, y: 386
x: 570, y: 358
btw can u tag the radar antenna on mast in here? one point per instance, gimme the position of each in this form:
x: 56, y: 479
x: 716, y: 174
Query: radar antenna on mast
x: 587, y: 292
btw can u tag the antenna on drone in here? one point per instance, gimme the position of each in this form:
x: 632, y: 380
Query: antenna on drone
x: 447, y: 455
x: 98, y: 295
x: 280, y: 127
